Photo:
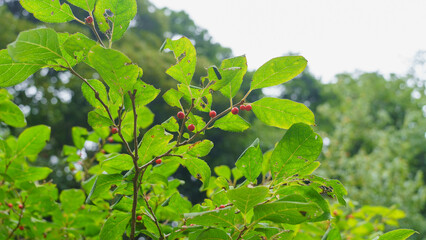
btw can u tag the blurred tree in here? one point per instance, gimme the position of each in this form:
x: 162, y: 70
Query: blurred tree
x: 375, y: 141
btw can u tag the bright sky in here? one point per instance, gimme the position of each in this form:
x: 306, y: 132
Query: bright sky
x: 333, y: 35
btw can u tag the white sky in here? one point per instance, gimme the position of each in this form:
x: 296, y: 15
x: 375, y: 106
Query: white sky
x: 333, y: 35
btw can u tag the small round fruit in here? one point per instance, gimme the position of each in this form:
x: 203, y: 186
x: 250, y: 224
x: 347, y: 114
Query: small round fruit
x: 114, y: 130
x: 103, y: 151
x: 181, y: 115
x: 235, y: 110
x: 191, y: 127
x: 222, y: 206
x: 20, y: 206
x: 89, y: 20
x: 158, y: 161
x: 82, y: 207
x: 110, y: 139
x: 139, y: 217
x: 212, y: 114
x: 242, y: 107
x: 248, y: 107
x: 10, y: 205
x: 21, y: 228
x: 335, y: 213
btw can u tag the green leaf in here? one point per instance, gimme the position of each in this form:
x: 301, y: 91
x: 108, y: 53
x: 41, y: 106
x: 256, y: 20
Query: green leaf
x: 78, y: 136
x: 96, y: 119
x: 295, y: 152
x: 102, y: 184
x: 19, y: 173
x: 333, y: 234
x: 154, y: 143
x: 185, y: 56
x: 115, y: 68
x: 121, y: 12
x: 90, y: 95
x: 310, y: 195
x: 72, y: 199
x: 330, y: 187
x: 200, y: 148
x: 220, y: 218
x: 87, y: 5
x: 245, y: 198
x: 399, y: 234
x: 12, y: 73
x: 171, y: 125
x: 282, y: 113
x: 214, y: 233
x: 198, y: 169
x: 250, y: 161
x: 286, y: 212
x: 117, y: 163
x: 48, y: 10
x: 11, y: 114
x: 232, y: 123
x: 35, y: 46
x: 172, y: 97
x: 115, y: 226
x: 202, y: 96
x: 32, y: 140
x: 233, y: 71
x: 278, y: 70
x: 78, y: 46
x: 223, y: 171
x: 145, y: 94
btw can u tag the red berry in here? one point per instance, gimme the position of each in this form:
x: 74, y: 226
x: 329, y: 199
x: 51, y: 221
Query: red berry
x: 139, y: 217
x: 89, y: 20
x: 158, y: 161
x: 242, y: 107
x: 248, y: 107
x: 235, y: 110
x: 212, y: 114
x: 191, y: 127
x: 110, y: 139
x: 114, y: 130
x: 21, y: 228
x: 335, y: 213
x: 20, y: 206
x: 222, y: 206
x: 103, y: 151
x: 83, y: 207
x: 181, y: 115
x: 10, y: 205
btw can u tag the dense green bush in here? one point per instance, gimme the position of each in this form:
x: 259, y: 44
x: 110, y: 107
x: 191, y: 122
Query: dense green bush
x: 127, y: 183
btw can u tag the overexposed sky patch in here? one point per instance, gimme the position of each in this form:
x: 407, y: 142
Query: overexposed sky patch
x: 334, y: 35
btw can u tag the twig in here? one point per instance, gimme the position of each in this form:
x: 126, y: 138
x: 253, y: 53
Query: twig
x: 154, y: 218
x: 182, y: 126
x: 94, y: 90
x: 20, y: 218
x: 135, y: 158
x: 92, y: 26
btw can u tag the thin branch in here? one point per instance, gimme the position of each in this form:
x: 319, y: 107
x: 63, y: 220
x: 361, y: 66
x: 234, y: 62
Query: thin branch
x: 242, y: 232
x: 120, y: 134
x: 154, y: 218
x: 182, y: 126
x: 20, y: 218
x: 135, y: 204
x: 94, y: 90
x: 92, y: 26
x: 135, y: 127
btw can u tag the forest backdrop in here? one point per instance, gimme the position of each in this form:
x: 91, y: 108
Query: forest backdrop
x: 370, y: 123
